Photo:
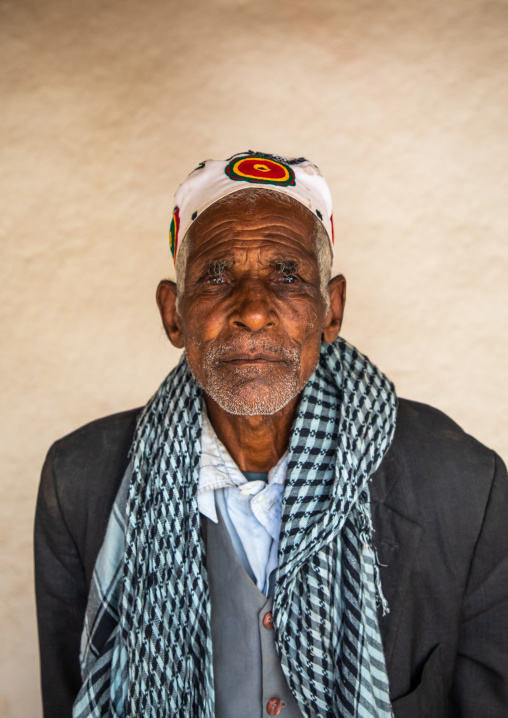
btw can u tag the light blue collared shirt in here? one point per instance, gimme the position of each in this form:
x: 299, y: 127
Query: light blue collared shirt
x: 251, y: 510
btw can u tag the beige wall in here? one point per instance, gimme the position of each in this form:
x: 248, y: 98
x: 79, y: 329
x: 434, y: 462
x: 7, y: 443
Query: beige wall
x: 107, y: 104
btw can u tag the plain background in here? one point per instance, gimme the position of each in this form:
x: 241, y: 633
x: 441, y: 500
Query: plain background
x: 108, y: 104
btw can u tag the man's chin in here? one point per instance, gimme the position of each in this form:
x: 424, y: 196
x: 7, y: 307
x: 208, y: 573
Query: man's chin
x: 254, y: 398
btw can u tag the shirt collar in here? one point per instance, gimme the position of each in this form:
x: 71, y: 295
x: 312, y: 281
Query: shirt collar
x: 218, y: 469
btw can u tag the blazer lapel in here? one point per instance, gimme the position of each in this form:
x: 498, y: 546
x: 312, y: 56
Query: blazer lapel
x: 395, y: 539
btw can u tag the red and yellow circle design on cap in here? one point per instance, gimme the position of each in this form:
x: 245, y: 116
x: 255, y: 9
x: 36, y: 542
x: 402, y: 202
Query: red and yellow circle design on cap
x: 173, y: 232
x: 260, y: 170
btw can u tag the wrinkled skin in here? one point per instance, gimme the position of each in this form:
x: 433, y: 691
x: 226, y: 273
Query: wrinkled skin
x: 251, y: 319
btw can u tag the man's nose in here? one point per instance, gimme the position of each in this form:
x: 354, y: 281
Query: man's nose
x: 253, y: 308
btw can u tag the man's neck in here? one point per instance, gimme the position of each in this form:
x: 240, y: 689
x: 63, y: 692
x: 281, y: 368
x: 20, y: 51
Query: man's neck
x: 256, y: 443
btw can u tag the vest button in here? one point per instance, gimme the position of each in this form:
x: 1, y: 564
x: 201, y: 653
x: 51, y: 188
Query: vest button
x: 274, y: 706
x: 268, y: 623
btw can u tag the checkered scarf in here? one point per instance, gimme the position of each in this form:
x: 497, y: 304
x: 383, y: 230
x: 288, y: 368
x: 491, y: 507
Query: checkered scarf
x: 146, y: 648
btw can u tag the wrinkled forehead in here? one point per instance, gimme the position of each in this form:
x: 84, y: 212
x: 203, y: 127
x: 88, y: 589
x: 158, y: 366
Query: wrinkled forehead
x: 253, y: 221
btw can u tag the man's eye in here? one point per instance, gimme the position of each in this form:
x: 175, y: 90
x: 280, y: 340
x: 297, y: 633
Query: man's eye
x: 289, y: 279
x: 216, y: 280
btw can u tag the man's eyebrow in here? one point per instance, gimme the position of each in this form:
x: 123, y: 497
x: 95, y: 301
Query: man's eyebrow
x: 217, y: 267
x: 285, y: 266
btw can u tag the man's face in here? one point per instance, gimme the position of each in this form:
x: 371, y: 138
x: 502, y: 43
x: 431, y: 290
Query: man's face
x: 251, y: 314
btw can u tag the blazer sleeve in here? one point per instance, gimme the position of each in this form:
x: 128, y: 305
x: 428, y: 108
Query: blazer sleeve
x: 61, y: 593
x: 481, y: 674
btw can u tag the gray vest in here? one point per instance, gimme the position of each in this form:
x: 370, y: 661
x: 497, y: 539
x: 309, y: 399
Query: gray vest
x: 248, y: 676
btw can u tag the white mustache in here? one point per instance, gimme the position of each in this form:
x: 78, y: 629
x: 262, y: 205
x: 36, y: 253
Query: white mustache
x: 253, y: 346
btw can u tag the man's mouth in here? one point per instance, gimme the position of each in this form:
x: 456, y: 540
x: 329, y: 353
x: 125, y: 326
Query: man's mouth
x: 257, y: 356
x: 247, y: 358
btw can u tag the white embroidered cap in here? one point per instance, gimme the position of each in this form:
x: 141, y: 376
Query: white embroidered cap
x: 214, y: 179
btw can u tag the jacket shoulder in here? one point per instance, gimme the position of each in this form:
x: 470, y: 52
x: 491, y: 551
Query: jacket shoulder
x: 91, y: 456
x: 105, y: 435
x: 425, y: 426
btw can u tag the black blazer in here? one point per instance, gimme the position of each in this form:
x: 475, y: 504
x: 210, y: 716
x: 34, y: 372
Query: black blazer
x: 440, y: 514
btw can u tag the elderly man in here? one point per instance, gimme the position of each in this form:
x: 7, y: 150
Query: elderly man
x: 274, y: 533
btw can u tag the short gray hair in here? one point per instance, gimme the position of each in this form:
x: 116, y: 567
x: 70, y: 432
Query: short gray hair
x: 250, y: 197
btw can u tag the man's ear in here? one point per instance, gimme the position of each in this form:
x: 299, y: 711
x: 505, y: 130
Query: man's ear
x: 333, y: 320
x: 166, y: 301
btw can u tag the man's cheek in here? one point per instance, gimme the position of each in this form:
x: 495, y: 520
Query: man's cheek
x: 200, y: 330
x: 304, y: 323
